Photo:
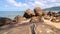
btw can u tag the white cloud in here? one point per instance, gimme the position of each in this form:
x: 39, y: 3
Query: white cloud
x: 52, y: 0
x: 47, y: 3
x: 41, y: 3
x: 13, y: 2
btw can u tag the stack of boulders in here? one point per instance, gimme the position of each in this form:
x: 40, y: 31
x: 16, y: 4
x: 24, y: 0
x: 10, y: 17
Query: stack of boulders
x: 35, y: 15
x: 52, y: 16
x: 28, y: 14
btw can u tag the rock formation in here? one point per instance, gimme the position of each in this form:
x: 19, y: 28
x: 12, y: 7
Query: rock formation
x: 45, y: 29
x: 33, y: 28
x: 37, y: 22
x: 38, y: 11
x: 21, y: 20
x: 36, y: 19
x: 29, y: 13
x: 4, y: 21
x: 55, y: 20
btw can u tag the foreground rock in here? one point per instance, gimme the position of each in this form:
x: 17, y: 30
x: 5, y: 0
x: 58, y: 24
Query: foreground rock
x: 46, y: 29
x: 33, y: 28
x: 21, y: 29
x: 4, y: 21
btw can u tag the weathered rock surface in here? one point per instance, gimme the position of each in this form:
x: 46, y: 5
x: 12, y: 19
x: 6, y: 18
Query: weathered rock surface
x: 24, y: 29
x: 46, y: 29
x: 55, y: 20
x: 4, y: 21
x: 32, y: 23
x: 21, y: 20
x: 29, y: 13
x: 38, y: 11
x: 36, y: 19
x: 33, y: 28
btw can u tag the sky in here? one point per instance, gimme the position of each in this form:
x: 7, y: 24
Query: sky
x: 10, y: 8
x: 20, y: 5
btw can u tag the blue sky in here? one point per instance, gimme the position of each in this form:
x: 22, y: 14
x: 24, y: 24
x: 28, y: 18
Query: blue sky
x: 10, y: 8
x: 20, y: 5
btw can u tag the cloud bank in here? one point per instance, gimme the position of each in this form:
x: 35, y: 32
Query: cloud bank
x: 34, y: 3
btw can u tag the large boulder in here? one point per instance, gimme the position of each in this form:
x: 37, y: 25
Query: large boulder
x: 4, y: 21
x: 28, y: 14
x: 38, y: 11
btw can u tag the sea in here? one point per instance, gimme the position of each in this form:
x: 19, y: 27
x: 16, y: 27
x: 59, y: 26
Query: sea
x: 11, y: 14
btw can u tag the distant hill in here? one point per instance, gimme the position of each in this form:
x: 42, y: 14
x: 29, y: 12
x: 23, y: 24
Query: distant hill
x: 53, y: 9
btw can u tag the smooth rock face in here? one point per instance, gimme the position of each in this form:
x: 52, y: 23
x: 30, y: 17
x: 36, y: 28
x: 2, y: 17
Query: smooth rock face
x: 38, y: 11
x: 45, y: 29
x: 21, y: 29
x: 28, y: 13
x: 19, y: 19
x: 33, y: 28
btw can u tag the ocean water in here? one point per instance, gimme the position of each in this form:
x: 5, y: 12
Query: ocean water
x: 11, y: 14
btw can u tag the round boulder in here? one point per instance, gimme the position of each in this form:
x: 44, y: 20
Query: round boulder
x: 38, y: 11
x: 28, y: 13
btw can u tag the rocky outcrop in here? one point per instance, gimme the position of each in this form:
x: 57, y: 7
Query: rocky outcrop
x: 54, y: 17
x: 45, y: 29
x: 29, y: 13
x: 36, y: 22
x: 23, y: 29
x: 38, y: 11
x: 33, y: 28
x: 20, y: 20
x: 4, y: 21
x: 53, y: 14
x: 36, y: 19
x: 55, y: 20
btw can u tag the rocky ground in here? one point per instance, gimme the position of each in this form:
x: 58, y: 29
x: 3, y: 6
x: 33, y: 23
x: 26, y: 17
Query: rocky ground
x: 34, y: 21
